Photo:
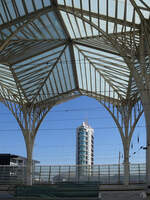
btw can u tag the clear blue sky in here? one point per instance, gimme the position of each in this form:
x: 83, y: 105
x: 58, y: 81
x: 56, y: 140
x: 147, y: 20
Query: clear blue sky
x: 55, y: 141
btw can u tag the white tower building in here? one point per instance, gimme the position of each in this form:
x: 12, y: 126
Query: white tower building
x: 84, y: 145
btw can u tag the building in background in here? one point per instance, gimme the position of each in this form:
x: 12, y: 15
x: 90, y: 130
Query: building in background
x: 14, y: 160
x: 13, y: 168
x: 84, y: 145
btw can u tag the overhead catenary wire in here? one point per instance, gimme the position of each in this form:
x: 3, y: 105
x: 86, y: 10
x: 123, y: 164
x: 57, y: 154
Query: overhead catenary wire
x: 74, y: 109
x: 66, y: 129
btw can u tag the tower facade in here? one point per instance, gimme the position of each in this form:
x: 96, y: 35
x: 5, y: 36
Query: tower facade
x: 84, y: 145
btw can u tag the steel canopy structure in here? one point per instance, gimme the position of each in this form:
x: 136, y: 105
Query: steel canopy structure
x: 55, y: 50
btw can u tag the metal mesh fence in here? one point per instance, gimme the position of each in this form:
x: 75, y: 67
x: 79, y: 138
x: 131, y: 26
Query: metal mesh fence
x: 102, y: 174
x: 12, y: 174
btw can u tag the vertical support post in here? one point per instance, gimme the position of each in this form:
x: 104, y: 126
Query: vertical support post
x: 69, y: 174
x: 147, y: 119
x: 59, y: 173
x: 126, y: 163
x: 108, y: 174
x: 40, y: 175
x: 29, y: 148
x: 99, y: 173
x: 139, y: 173
x: 33, y: 173
x: 119, y: 169
x: 49, y: 176
x: 88, y: 172
x: 118, y: 173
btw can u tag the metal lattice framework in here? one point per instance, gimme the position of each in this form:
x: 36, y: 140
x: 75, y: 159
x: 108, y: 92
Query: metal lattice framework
x: 50, y: 49
x: 55, y: 50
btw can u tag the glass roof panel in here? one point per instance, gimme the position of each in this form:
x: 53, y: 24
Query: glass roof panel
x: 11, y: 13
x: 68, y: 24
x: 47, y: 3
x: 111, y: 9
x: 33, y: 72
x: 20, y: 51
x: 100, y: 7
x: 146, y: 14
x: 68, y: 2
x: 12, y: 9
x: 2, y: 12
x: 56, y: 24
x: 38, y: 4
x: 112, y: 71
x: 20, y: 7
x: 29, y: 5
x: 139, y: 3
x: 61, y: 79
x: 97, y: 71
x: 61, y: 2
x: 7, y: 79
x: 39, y: 58
x: 69, y: 67
x: 78, y: 28
x: 45, y: 27
x: 60, y: 68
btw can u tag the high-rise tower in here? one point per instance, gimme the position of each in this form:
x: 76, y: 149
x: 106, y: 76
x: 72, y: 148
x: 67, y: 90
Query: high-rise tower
x: 84, y: 145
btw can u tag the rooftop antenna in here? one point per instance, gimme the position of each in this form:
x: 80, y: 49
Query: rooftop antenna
x: 86, y: 119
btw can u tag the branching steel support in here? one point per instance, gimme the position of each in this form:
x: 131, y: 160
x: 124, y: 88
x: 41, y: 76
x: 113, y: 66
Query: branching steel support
x: 126, y: 116
x: 142, y: 68
x: 29, y: 118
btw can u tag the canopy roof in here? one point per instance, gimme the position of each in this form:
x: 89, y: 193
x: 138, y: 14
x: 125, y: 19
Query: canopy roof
x: 51, y: 50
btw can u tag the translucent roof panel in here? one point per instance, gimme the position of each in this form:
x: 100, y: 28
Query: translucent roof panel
x: 78, y: 28
x: 90, y: 77
x: 45, y: 26
x: 111, y: 8
x: 96, y: 15
x: 32, y: 73
x: 50, y: 49
x: 60, y: 80
x: 111, y: 69
x: 12, y: 9
x: 8, y: 83
x: 144, y: 6
x: 20, y: 50
x: 97, y: 43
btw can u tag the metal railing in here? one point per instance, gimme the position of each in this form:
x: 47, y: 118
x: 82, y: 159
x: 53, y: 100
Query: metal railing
x: 12, y: 175
x: 101, y: 174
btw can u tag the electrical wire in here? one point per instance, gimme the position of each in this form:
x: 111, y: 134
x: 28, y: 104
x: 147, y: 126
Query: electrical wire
x: 65, y: 129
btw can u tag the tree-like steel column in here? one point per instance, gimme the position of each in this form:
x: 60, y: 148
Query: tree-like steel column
x: 141, y: 67
x: 144, y: 60
x: 29, y: 118
x: 126, y: 115
x: 138, y: 61
x: 29, y: 122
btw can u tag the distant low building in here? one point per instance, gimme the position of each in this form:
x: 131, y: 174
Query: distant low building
x: 14, y: 160
x: 13, y: 168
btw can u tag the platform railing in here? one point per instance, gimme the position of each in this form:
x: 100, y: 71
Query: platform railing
x: 102, y: 174
x: 11, y: 175
x: 50, y: 174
